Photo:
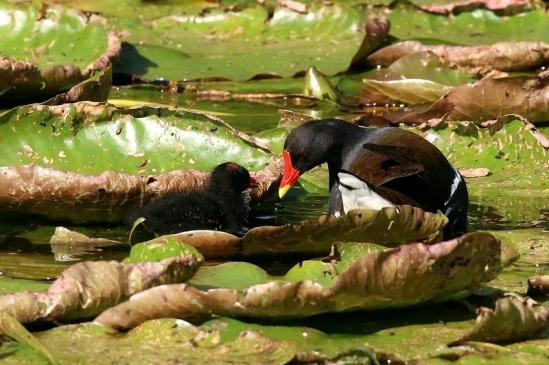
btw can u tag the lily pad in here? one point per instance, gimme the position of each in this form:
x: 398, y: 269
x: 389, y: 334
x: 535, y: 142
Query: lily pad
x: 86, y: 289
x: 53, y: 152
x: 388, y: 226
x: 241, y: 43
x: 407, y: 275
x: 468, y: 28
x: 48, y: 52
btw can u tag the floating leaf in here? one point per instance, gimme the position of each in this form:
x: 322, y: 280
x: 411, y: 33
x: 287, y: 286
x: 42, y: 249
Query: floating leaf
x: 514, y: 318
x: 388, y: 226
x: 447, y: 7
x: 538, y: 285
x: 52, y: 151
x: 467, y: 28
x: 238, y: 43
x: 86, y: 289
x: 490, y: 99
x: 404, y: 276
x: 502, y: 56
x: 45, y: 53
x: 411, y: 91
x: 160, y: 250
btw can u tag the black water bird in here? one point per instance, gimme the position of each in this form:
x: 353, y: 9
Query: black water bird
x: 222, y: 206
x: 375, y: 168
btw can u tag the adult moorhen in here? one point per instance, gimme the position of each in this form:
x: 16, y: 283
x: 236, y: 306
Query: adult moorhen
x: 375, y: 168
x: 223, y: 206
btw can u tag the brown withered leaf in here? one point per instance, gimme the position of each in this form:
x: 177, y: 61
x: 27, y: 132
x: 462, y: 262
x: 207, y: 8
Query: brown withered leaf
x: 538, y: 285
x: 513, y: 318
x: 377, y: 29
x: 489, y: 99
x: 502, y: 56
x: 388, y: 226
x: 86, y: 289
x: 68, y: 195
x: 399, y: 277
x: 474, y: 172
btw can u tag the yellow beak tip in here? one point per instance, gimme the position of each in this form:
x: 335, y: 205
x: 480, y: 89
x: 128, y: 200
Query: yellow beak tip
x: 283, y: 190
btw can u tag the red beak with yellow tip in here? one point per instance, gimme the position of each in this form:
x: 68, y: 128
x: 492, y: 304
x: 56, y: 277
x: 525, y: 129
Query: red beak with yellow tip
x: 289, y: 177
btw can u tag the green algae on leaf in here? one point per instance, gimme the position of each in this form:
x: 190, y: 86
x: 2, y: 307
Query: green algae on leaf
x: 86, y: 289
x: 473, y: 28
x: 407, y: 275
x: 45, y: 53
x: 12, y: 328
x: 240, y: 43
x: 53, y: 153
x: 161, y: 249
x: 388, y: 226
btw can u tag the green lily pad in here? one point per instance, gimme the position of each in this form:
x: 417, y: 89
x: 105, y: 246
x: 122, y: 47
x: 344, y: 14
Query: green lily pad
x: 10, y: 285
x: 400, y: 277
x: 47, y: 52
x: 238, y: 44
x: 468, y: 28
x: 91, y: 138
x: 134, y: 151
x: 158, y: 251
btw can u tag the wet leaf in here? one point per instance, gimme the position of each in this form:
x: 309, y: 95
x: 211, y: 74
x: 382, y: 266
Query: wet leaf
x: 12, y: 328
x: 53, y: 153
x: 502, y: 56
x: 45, y: 53
x: 11, y: 285
x: 239, y: 44
x: 411, y: 91
x: 514, y: 318
x: 473, y: 28
x: 447, y: 7
x: 96, y: 88
x: 160, y: 250
x: 318, y: 86
x: 68, y: 245
x: 86, y: 289
x: 404, y: 276
x: 388, y: 226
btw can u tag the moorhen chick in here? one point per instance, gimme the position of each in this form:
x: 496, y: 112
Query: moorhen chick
x: 375, y: 168
x: 223, y: 206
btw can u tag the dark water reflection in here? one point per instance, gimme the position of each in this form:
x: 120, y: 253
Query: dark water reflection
x: 25, y: 251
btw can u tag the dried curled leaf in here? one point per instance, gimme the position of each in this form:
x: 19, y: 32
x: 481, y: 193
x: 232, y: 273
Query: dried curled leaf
x: 403, y: 276
x: 538, y: 285
x: 489, y: 99
x: 514, y: 318
x: 88, y: 288
x: 388, y: 226
x: 502, y: 56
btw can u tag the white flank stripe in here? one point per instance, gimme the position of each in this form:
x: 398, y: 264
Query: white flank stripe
x: 356, y: 194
